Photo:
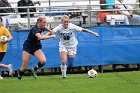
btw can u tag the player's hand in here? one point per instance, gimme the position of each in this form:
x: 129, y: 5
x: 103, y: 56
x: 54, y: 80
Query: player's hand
x: 96, y: 34
x: 4, y: 42
x: 53, y: 36
x: 129, y: 16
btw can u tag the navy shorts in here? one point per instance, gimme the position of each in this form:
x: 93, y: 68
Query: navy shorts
x: 2, y: 54
x: 31, y: 49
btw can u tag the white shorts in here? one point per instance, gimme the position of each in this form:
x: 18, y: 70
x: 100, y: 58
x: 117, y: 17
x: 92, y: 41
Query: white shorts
x: 69, y: 50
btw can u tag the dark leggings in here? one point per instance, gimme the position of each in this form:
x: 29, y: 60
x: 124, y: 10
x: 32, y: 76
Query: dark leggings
x: 2, y: 54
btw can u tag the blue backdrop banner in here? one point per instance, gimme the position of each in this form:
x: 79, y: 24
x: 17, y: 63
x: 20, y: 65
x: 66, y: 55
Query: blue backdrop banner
x: 116, y: 45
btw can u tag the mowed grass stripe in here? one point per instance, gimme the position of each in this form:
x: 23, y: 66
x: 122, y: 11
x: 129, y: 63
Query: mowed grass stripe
x: 116, y: 82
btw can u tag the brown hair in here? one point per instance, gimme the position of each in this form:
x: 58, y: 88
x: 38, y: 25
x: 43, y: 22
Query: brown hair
x: 40, y: 18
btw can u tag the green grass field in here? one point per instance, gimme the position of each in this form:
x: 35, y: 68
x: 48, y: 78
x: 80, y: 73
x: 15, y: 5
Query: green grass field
x: 117, y: 82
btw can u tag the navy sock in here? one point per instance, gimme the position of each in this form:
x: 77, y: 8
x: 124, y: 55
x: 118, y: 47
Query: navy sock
x: 20, y: 73
x: 38, y: 66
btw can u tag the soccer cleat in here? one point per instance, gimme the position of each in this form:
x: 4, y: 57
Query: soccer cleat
x: 1, y: 77
x: 34, y: 73
x: 63, y: 75
x: 10, y: 69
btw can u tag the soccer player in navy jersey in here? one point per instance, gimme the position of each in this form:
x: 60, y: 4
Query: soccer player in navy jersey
x: 32, y: 46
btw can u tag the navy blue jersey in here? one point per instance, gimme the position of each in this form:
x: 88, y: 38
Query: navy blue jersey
x: 32, y: 38
x: 32, y: 43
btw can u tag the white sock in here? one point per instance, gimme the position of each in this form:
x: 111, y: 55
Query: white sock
x: 63, y: 70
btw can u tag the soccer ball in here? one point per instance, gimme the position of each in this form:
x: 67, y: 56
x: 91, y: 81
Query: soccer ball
x: 92, y: 73
x: 3, y: 39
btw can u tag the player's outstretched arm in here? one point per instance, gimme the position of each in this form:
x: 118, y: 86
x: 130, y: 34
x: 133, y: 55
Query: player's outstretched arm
x: 89, y: 31
x: 46, y: 36
x: 51, y: 32
x: 47, y: 28
x: 9, y: 38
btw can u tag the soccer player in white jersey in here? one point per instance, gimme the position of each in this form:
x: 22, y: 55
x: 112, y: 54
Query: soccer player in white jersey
x: 68, y: 42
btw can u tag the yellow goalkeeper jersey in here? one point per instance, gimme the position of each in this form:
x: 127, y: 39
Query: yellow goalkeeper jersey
x: 3, y: 32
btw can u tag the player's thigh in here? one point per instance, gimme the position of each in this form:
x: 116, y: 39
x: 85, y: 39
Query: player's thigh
x: 63, y: 53
x: 40, y: 56
x: 63, y: 56
x: 25, y: 58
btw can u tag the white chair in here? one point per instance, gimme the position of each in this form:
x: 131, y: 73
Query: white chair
x: 112, y: 19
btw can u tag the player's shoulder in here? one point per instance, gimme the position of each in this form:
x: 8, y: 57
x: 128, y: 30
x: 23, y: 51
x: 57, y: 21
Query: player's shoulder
x: 60, y: 26
x: 34, y: 27
x: 4, y: 28
x: 71, y: 24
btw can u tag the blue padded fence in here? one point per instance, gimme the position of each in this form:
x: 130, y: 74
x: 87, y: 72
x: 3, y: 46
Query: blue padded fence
x: 116, y: 45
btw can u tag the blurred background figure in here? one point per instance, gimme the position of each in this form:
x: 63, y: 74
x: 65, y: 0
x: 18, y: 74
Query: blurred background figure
x: 102, y: 14
x: 5, y: 17
x: 130, y: 17
x: 5, y: 3
x: 27, y: 3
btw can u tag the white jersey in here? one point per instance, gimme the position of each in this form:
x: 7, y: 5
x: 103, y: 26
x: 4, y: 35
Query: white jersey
x: 67, y: 36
